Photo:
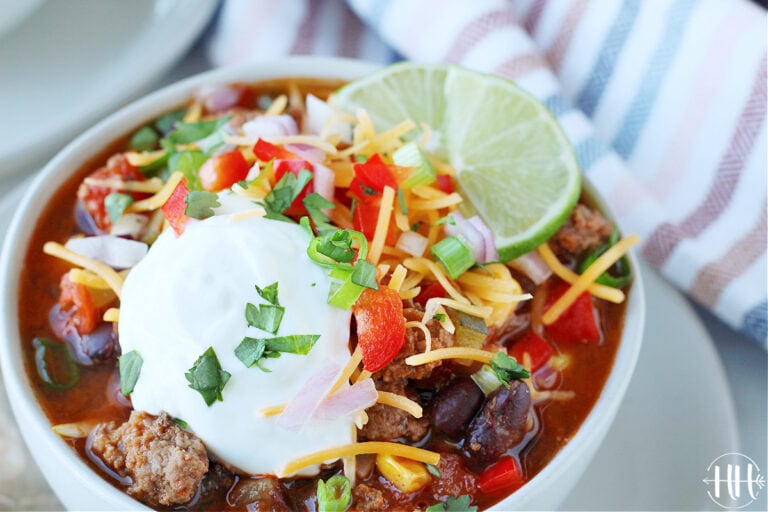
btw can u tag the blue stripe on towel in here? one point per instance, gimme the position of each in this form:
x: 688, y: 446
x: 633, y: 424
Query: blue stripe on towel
x: 755, y: 324
x: 589, y: 151
x: 590, y: 94
x: 634, y: 120
x: 557, y: 104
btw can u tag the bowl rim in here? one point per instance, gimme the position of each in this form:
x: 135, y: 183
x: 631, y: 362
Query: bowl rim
x: 70, y: 159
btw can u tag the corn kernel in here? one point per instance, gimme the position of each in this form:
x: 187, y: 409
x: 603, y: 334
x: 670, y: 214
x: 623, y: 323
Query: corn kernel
x: 405, y: 474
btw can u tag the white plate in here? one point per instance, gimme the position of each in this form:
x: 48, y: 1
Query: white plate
x: 677, y: 417
x: 70, y: 62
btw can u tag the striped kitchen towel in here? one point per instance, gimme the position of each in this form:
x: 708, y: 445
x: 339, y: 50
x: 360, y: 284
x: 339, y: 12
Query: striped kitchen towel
x: 663, y: 100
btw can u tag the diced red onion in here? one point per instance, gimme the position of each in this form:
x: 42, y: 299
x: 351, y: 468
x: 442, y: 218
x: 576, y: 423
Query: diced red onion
x: 491, y: 254
x: 307, y: 152
x: 468, y: 233
x: 533, y: 266
x: 131, y: 225
x: 350, y: 400
x: 307, y: 400
x: 413, y: 243
x: 270, y: 126
x: 218, y: 98
x: 323, y: 181
x: 317, y: 115
x: 115, y: 251
x: 84, y: 220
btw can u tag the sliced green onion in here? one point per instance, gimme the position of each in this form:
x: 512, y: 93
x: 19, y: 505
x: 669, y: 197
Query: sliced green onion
x: 486, y: 380
x: 411, y: 155
x: 54, y: 364
x: 401, y: 200
x: 620, y: 273
x: 343, y: 292
x: 454, y: 255
x: 334, y: 494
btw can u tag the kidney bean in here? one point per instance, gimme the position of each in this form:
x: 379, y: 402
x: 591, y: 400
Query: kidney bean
x: 455, y: 405
x: 500, y: 424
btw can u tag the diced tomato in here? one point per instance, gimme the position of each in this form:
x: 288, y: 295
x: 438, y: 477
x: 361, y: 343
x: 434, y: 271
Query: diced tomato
x: 222, y: 171
x: 430, y: 292
x: 92, y: 196
x: 175, y: 207
x: 266, y: 151
x: 283, y: 167
x: 371, y: 176
x: 535, y: 346
x: 502, y: 478
x: 83, y: 315
x: 445, y: 183
x: 578, y: 323
x: 364, y: 219
x: 380, y: 326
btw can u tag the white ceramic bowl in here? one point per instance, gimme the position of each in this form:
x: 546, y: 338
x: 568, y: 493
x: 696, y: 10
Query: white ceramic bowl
x: 13, y: 12
x: 80, y: 488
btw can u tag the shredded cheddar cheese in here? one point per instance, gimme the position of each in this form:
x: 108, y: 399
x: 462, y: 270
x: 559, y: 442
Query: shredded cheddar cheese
x: 111, y: 315
x: 382, y: 225
x: 431, y: 308
x: 383, y: 447
x: 425, y: 266
x: 277, y: 106
x: 107, y: 273
x: 435, y: 204
x: 259, y: 211
x: 347, y: 371
x: 594, y: 271
x: 159, y: 199
x: 194, y: 113
x: 598, y: 290
x: 143, y: 158
x: 427, y: 335
x: 400, y: 402
x: 88, y: 279
x: 397, y: 278
x: 439, y: 354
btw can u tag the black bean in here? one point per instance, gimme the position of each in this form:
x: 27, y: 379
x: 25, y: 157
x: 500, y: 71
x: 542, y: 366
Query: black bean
x: 500, y: 424
x: 455, y: 405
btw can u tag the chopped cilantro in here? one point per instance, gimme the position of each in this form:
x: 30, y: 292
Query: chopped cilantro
x: 416, y: 226
x: 116, y: 203
x: 364, y: 274
x: 144, y: 139
x: 285, y: 192
x: 188, y: 163
x: 269, y: 293
x: 251, y: 350
x: 130, y: 368
x: 337, y: 246
x: 185, y: 133
x: 207, y: 378
x: 368, y: 191
x: 200, y: 204
x: 361, y: 158
x: 451, y: 504
x: 507, y: 368
x: 180, y: 422
x: 165, y: 123
x: 440, y: 317
x: 315, y: 204
x: 266, y: 317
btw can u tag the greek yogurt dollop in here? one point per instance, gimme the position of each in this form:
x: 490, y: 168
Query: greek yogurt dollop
x: 190, y: 293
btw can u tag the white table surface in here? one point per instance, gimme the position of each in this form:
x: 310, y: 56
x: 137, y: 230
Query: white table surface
x: 744, y: 361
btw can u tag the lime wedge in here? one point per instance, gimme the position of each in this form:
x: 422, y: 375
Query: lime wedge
x: 513, y: 162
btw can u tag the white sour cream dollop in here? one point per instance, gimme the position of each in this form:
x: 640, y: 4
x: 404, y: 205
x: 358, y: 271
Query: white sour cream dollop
x: 190, y: 293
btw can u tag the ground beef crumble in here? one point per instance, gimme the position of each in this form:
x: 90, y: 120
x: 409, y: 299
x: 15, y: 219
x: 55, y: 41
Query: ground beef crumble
x: 164, y: 462
x: 584, y: 230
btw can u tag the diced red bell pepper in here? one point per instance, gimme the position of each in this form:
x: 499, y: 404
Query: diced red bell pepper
x: 266, y: 151
x: 175, y: 207
x: 535, y: 346
x: 502, y: 478
x: 365, y: 217
x: 430, y: 292
x: 371, y: 175
x: 380, y: 326
x: 445, y: 183
x: 93, y: 196
x: 222, y: 171
x: 578, y: 323
x: 83, y: 315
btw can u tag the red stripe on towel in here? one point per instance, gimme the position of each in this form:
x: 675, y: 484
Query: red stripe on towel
x: 556, y: 52
x: 477, y: 29
x: 666, y: 237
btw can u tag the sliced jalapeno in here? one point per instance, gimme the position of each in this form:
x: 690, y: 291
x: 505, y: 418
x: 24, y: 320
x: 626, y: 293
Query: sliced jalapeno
x: 55, y: 366
x: 619, y: 275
